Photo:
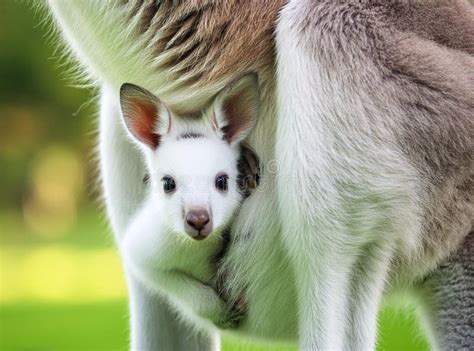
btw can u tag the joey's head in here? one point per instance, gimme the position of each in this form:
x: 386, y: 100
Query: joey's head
x: 192, y: 161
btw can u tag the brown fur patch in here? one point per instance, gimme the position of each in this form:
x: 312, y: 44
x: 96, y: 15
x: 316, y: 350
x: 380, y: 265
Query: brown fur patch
x: 203, y: 42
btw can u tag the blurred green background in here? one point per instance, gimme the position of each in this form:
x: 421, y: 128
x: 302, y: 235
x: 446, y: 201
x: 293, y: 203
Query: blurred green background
x: 61, y: 285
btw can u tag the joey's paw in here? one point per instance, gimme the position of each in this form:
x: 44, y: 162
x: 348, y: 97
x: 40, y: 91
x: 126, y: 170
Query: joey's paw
x: 249, y: 170
x: 231, y: 319
x: 235, y: 305
x: 214, y: 309
x: 234, y: 315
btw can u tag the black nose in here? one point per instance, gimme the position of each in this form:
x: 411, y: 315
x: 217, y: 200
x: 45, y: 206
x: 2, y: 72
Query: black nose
x: 197, y: 219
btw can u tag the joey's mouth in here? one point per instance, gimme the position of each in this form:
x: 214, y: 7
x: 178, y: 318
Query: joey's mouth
x: 200, y: 235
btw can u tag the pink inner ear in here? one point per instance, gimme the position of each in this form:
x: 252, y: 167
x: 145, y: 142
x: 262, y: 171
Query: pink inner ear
x: 238, y: 116
x: 142, y: 121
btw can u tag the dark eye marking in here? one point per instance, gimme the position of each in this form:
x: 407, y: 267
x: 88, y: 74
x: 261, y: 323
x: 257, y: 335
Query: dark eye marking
x: 190, y: 136
x: 221, y: 182
x: 169, y: 184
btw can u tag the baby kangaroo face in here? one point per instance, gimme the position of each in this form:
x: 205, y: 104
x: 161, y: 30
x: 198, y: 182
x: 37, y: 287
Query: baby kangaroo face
x: 192, y: 163
x: 196, y: 179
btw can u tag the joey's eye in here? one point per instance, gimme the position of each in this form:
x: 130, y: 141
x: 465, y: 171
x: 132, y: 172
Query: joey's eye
x: 169, y: 185
x: 221, y: 182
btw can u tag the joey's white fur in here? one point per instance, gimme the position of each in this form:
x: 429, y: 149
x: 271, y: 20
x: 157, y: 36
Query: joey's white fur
x: 365, y: 137
x: 124, y: 195
x: 192, y: 168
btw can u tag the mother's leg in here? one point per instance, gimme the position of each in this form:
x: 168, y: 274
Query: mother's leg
x: 154, y: 325
x: 447, y: 300
x: 338, y: 180
x: 318, y: 242
x: 367, y: 287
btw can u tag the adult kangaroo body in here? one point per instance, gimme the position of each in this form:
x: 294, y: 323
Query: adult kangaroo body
x: 366, y: 136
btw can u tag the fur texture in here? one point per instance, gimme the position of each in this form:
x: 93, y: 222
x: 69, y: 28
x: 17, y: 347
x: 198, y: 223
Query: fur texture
x: 383, y: 151
x: 447, y: 300
x: 365, y: 132
x: 184, y: 160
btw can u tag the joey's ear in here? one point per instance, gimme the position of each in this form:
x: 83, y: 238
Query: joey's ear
x: 145, y: 117
x: 236, y: 108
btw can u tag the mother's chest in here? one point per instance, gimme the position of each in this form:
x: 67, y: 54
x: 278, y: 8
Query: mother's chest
x: 258, y: 268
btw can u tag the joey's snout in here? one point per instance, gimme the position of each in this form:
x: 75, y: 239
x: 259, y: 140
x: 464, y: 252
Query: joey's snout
x: 198, y: 223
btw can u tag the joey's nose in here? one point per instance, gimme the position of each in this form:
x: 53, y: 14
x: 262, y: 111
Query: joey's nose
x: 198, y: 224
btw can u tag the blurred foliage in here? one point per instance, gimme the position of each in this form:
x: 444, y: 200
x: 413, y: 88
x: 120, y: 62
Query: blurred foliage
x: 38, y: 110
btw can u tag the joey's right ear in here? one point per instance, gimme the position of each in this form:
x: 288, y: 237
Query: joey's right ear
x: 236, y: 108
x: 145, y: 116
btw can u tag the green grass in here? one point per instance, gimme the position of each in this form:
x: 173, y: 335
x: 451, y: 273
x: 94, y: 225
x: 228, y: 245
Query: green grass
x: 63, y: 327
x: 103, y: 326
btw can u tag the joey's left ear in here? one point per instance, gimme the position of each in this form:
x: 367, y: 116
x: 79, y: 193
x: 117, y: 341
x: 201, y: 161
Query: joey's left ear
x: 236, y: 108
x: 145, y: 117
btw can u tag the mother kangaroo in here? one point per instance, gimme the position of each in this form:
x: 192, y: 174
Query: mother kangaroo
x: 366, y: 137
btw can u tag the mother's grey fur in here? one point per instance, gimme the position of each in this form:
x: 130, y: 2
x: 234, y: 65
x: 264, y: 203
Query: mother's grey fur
x: 447, y: 295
